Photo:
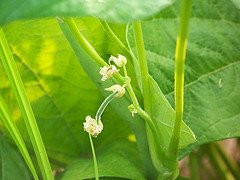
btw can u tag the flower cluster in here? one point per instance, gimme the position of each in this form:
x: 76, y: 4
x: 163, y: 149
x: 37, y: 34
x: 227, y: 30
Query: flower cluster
x: 93, y: 126
x: 108, y: 71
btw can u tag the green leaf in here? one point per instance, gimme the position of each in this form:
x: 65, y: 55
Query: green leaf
x: 11, y: 164
x: 212, y: 67
x: 111, y: 10
x: 237, y: 3
x: 60, y: 92
x: 118, y: 160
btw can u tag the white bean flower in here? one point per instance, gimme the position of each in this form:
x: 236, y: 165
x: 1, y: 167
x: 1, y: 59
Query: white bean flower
x: 108, y: 71
x: 120, y: 90
x: 92, y: 126
x: 120, y: 61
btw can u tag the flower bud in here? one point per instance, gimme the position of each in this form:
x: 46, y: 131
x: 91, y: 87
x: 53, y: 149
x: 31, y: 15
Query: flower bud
x: 120, y: 90
x: 120, y: 61
x: 132, y: 109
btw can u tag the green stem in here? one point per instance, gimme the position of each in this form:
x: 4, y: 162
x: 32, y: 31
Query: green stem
x: 84, y: 43
x: 87, y: 46
x: 25, y: 107
x: 104, y: 105
x: 16, y: 136
x: 145, y: 116
x: 143, y: 64
x: 218, y: 163
x: 179, y: 76
x: 115, y: 39
x: 94, y: 158
x: 194, y: 166
x: 233, y: 167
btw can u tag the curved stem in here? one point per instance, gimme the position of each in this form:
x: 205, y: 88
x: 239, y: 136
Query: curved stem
x: 84, y: 43
x: 179, y: 76
x: 113, y: 36
x: 25, y: 107
x: 145, y: 116
x: 87, y: 46
x: 104, y: 105
x: 94, y: 158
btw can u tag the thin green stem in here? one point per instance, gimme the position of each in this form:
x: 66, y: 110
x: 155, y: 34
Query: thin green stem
x: 104, y: 105
x: 15, y: 134
x: 25, y: 107
x: 218, y: 163
x: 87, y: 46
x: 94, y: 158
x: 194, y: 166
x: 143, y: 64
x: 179, y: 75
x: 115, y: 39
x: 233, y: 167
x: 144, y: 115
x: 84, y: 43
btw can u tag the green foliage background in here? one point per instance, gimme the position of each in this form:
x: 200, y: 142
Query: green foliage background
x: 62, y: 94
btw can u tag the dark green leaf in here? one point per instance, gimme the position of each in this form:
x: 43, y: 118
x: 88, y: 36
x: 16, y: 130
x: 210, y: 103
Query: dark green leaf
x: 12, y: 166
x: 110, y: 10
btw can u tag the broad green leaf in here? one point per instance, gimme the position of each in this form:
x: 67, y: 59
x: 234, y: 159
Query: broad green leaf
x: 12, y: 166
x: 60, y: 92
x: 111, y: 10
x: 212, y: 67
x: 118, y: 161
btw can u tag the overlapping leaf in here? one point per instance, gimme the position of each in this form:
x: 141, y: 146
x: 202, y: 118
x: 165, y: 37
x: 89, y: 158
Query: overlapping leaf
x: 112, y: 10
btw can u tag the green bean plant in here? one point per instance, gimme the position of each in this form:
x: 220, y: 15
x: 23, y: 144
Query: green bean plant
x: 123, y: 89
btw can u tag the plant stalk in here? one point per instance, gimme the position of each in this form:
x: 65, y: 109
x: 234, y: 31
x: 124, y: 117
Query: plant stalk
x: 87, y: 46
x: 233, y: 167
x: 94, y: 158
x: 218, y: 163
x: 104, y: 105
x: 143, y: 64
x: 8, y: 122
x: 194, y: 166
x: 25, y: 107
x: 115, y: 39
x: 179, y: 76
